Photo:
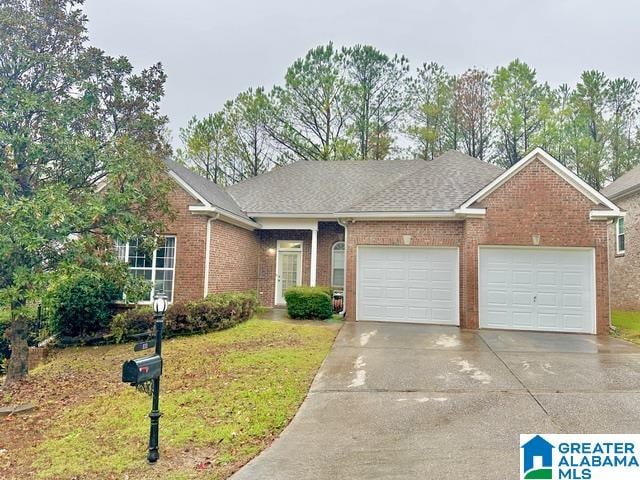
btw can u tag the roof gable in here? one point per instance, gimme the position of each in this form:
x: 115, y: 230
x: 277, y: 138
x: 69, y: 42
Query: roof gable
x: 539, y: 154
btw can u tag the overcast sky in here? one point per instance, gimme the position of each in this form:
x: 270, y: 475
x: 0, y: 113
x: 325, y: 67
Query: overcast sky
x: 214, y: 49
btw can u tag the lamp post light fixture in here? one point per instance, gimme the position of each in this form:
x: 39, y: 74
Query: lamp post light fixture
x: 160, y: 304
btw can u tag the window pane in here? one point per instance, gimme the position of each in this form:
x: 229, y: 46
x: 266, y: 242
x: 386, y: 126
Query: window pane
x: 164, y: 283
x: 621, y: 243
x: 137, y: 258
x: 621, y: 225
x: 338, y: 259
x: 338, y: 277
x: 291, y: 245
x: 165, y: 255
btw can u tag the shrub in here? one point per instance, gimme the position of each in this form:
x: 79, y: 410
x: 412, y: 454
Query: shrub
x: 215, y: 312
x: 308, y: 302
x: 131, y: 322
x: 4, y: 341
x: 81, y: 303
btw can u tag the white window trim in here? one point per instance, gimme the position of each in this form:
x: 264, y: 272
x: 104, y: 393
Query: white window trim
x: 343, y: 265
x: 153, y: 270
x: 618, y: 251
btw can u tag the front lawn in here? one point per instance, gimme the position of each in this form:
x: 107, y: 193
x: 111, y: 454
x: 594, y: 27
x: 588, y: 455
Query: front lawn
x: 224, y: 397
x: 627, y: 324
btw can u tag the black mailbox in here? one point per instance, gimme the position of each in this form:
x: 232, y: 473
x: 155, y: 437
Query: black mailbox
x: 142, y: 369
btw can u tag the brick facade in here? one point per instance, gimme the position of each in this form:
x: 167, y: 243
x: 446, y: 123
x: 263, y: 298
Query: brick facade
x: 233, y: 258
x: 535, y: 201
x: 190, y: 231
x: 624, y: 269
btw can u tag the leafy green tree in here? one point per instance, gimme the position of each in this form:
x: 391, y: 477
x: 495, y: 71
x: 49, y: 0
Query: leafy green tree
x: 521, y: 106
x: 251, y: 149
x: 378, y: 96
x: 206, y: 147
x: 309, y: 114
x: 588, y: 102
x: 622, y: 103
x: 431, y: 113
x: 81, y: 139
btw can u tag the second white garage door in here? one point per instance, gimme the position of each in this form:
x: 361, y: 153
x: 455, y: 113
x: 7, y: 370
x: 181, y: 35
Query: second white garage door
x: 408, y: 284
x: 549, y: 289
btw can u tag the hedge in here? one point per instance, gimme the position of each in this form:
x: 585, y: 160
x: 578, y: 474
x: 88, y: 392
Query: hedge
x: 81, y: 303
x: 215, y: 312
x: 309, y: 302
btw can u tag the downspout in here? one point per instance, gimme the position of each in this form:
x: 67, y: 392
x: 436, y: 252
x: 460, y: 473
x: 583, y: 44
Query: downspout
x: 207, y: 254
x: 344, y: 291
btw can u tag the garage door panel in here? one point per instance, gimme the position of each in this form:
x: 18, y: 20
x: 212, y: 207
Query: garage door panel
x: 410, y: 284
x: 550, y: 289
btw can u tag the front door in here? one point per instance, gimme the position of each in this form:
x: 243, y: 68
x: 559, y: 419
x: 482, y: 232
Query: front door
x: 288, y: 268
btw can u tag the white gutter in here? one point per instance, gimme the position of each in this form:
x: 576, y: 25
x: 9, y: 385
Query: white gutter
x: 606, y: 214
x: 232, y: 217
x: 207, y: 255
x: 343, y: 224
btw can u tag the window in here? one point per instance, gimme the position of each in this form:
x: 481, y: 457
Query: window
x: 620, y: 235
x: 157, y: 268
x: 337, y: 265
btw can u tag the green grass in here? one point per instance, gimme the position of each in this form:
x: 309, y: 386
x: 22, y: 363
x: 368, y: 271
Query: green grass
x: 627, y: 324
x: 225, y: 396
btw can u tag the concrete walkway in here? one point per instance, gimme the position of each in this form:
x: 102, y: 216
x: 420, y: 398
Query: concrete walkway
x: 398, y: 401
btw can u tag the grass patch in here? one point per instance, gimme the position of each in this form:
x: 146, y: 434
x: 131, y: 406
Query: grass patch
x: 627, y: 324
x: 224, y: 397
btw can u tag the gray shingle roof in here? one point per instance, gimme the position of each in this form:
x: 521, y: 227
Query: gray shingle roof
x: 307, y: 187
x: 208, y: 190
x: 442, y: 184
x: 626, y: 183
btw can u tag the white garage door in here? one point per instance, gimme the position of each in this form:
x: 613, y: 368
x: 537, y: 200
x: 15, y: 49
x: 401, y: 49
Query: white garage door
x: 407, y: 284
x: 537, y: 289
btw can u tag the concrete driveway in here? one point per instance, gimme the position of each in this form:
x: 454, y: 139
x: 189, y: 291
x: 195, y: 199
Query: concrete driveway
x: 399, y: 401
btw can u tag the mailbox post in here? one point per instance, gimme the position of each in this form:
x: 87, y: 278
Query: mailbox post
x: 160, y: 304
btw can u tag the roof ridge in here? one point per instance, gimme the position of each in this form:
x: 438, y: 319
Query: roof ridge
x: 403, y: 177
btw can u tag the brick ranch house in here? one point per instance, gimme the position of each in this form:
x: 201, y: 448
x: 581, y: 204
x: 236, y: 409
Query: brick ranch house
x: 452, y: 241
x: 624, y: 241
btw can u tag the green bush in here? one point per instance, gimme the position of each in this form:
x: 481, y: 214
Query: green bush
x: 131, y: 322
x: 215, y: 312
x: 4, y: 341
x: 309, y: 302
x: 82, y: 303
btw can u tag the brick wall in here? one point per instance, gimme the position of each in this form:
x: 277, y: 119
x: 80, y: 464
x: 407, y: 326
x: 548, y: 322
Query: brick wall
x: 624, y: 269
x: 233, y: 258
x: 190, y: 232
x: 425, y: 234
x: 328, y: 234
x: 535, y: 201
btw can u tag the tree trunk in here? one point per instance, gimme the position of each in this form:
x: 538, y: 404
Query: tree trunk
x: 18, y: 362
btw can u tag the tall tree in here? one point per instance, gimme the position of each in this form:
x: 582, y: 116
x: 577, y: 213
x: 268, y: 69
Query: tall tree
x: 309, y: 116
x: 251, y: 150
x: 589, y: 106
x: 430, y: 113
x: 378, y: 96
x: 71, y: 117
x: 520, y: 103
x: 622, y: 103
x: 206, y: 146
x: 473, y: 111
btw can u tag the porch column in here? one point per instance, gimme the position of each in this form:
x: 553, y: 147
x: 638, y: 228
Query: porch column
x: 314, y: 256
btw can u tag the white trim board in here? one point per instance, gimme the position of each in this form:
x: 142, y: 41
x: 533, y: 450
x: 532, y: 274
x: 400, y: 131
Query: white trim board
x: 570, y: 177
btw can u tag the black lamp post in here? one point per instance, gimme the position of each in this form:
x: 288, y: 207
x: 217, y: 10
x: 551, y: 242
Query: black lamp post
x: 160, y: 304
